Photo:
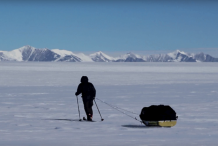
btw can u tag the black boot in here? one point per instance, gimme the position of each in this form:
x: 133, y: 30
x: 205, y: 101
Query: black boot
x: 89, y: 117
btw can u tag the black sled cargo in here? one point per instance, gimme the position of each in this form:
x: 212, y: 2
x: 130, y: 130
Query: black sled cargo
x: 158, y: 115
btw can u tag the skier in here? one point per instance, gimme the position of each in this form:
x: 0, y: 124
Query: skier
x: 88, y: 95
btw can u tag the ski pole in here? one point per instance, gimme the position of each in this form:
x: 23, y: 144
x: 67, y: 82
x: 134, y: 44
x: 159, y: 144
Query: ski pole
x: 78, y: 108
x: 98, y: 111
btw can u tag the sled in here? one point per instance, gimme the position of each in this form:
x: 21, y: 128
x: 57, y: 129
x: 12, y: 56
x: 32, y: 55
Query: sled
x: 160, y: 123
x: 159, y: 115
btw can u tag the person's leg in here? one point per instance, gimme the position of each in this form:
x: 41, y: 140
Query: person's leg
x: 89, y: 110
x: 85, y: 103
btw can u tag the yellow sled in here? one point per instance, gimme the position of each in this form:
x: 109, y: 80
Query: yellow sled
x: 160, y: 123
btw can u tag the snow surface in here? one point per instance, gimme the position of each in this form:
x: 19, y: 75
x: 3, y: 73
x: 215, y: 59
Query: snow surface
x: 38, y: 98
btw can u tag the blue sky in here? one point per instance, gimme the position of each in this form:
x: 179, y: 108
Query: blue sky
x: 110, y: 26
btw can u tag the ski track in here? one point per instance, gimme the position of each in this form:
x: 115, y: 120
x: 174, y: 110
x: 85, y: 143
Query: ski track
x: 38, y: 105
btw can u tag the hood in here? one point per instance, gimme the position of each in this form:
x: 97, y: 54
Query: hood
x: 84, y: 79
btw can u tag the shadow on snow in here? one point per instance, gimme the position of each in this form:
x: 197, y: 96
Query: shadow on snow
x: 63, y: 119
x: 140, y: 126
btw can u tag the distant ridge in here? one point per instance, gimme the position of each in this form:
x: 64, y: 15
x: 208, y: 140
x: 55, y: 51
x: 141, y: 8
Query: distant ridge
x: 29, y: 53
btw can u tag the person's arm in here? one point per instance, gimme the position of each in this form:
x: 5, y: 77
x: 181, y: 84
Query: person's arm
x: 79, y: 90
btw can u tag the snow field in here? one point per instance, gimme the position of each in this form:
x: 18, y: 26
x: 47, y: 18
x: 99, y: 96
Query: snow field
x: 38, y: 104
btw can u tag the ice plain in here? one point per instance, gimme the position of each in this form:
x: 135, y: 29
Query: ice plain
x: 36, y: 98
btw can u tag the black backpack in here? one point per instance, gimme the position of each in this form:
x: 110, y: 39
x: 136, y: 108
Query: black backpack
x: 88, y: 90
x: 158, y: 113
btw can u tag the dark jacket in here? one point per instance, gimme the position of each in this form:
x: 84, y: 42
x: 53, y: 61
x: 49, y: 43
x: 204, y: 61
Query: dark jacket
x: 87, y: 90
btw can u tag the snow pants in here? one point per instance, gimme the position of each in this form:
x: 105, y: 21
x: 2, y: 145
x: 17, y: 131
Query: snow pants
x: 88, y: 108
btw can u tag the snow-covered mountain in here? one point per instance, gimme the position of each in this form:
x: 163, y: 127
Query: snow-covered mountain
x: 68, y: 56
x: 28, y: 53
x: 101, y: 57
x: 158, y: 58
x: 130, y: 57
x: 177, y: 56
x: 204, y: 57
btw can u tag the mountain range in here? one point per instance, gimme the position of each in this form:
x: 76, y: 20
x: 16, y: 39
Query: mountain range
x: 29, y: 53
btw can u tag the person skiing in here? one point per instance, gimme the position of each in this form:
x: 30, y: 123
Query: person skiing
x: 88, y: 95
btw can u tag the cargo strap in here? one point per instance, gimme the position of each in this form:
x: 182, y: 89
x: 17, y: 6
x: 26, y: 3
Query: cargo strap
x: 123, y: 111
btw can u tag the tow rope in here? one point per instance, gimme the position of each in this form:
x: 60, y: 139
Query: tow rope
x: 120, y: 110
